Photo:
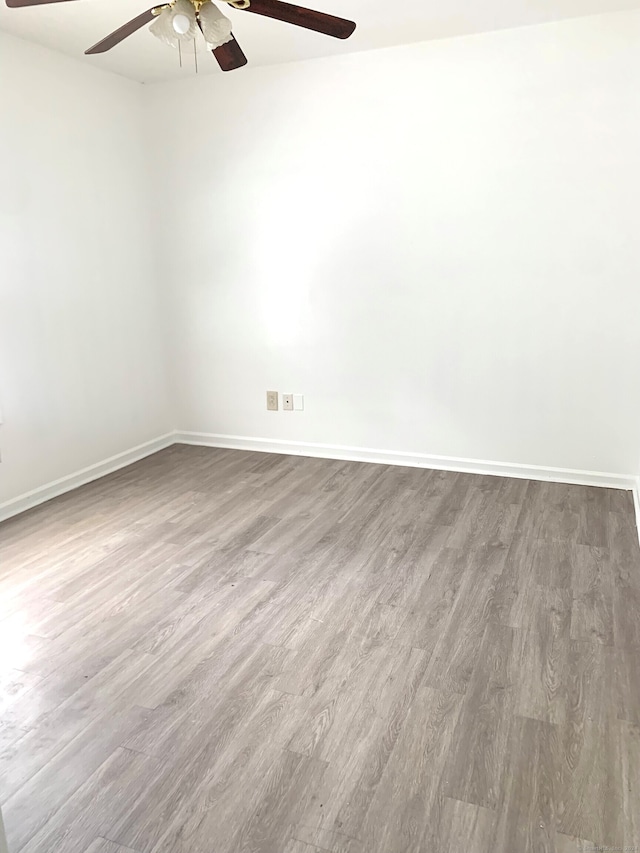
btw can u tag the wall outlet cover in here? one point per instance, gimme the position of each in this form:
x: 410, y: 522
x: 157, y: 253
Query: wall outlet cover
x: 287, y: 402
x: 272, y: 401
x: 298, y: 403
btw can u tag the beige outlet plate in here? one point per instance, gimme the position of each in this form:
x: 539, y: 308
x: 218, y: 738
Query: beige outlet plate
x: 272, y: 401
x: 287, y: 402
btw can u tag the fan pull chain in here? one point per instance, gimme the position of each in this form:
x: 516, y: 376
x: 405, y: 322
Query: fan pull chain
x: 179, y: 53
x: 195, y: 55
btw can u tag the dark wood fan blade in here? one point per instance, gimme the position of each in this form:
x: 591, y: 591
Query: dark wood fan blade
x: 122, y: 32
x: 230, y: 56
x: 339, y: 28
x: 15, y: 4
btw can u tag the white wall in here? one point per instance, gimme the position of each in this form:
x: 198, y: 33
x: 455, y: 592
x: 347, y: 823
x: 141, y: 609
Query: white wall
x: 436, y: 244
x: 81, y: 376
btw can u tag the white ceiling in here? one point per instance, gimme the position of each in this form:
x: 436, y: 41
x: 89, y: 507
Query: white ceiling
x: 72, y: 27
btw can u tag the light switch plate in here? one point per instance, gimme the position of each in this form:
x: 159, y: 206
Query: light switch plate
x: 287, y: 402
x: 298, y: 403
x: 272, y: 401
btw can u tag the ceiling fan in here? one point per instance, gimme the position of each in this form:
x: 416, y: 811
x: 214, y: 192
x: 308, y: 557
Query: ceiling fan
x: 180, y: 20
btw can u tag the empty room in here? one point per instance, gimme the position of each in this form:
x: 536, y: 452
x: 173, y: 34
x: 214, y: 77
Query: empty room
x: 320, y: 426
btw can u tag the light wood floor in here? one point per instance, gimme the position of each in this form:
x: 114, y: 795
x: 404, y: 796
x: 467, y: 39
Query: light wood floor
x: 217, y: 651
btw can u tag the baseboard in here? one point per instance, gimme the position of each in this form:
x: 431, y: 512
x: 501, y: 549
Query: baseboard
x: 325, y: 451
x: 93, y: 472
x: 412, y: 460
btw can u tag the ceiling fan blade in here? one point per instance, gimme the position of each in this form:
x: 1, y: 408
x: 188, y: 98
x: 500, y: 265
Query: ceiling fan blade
x: 122, y: 32
x: 339, y: 28
x: 230, y: 56
x: 16, y: 4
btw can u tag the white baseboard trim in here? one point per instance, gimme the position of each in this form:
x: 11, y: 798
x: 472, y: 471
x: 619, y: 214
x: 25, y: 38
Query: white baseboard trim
x: 326, y: 451
x: 412, y: 460
x: 84, y: 475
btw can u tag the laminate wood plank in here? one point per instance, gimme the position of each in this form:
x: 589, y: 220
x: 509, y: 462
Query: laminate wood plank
x: 630, y: 754
x: 45, y: 569
x: 217, y: 698
x: 508, y: 596
x: 37, y: 801
x: 626, y: 625
x: 526, y: 813
x: 456, y: 652
x: 216, y: 762
x: 55, y: 729
x: 542, y: 655
x: 314, y: 660
x: 328, y: 840
x: 216, y: 567
x: 13, y: 685
x: 276, y: 810
x: 243, y: 651
x: 589, y: 795
x: 81, y: 655
x: 476, y: 761
x: 627, y: 678
x: 511, y: 490
x: 621, y: 501
x: 553, y: 563
x: 459, y: 827
x: 221, y: 521
x: 102, y: 845
x: 94, y: 579
x: 366, y: 497
x: 123, y: 586
x: 593, y: 588
x: 450, y: 496
x: 360, y: 669
x: 311, y: 558
x: 299, y: 494
x: 230, y: 596
x: 371, y: 517
x: 487, y: 521
x: 593, y: 508
x: 571, y: 844
x: 411, y: 561
x: 48, y: 538
x: 415, y: 766
x: 361, y: 755
x: 96, y: 803
x: 186, y: 650
x: 10, y: 733
x: 555, y: 511
x: 329, y: 584
x: 625, y: 551
x: 431, y: 608
x: 181, y: 814
x: 626, y: 606
x: 281, y: 535
x: 295, y: 846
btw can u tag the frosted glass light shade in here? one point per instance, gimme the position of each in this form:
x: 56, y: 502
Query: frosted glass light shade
x: 216, y: 27
x: 181, y: 24
x: 163, y: 26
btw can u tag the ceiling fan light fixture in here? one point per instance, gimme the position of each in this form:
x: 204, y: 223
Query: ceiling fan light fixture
x: 180, y: 24
x: 216, y: 27
x: 175, y: 23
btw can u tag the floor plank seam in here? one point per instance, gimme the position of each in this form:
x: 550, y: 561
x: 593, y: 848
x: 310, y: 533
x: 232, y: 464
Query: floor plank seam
x: 118, y: 844
x: 330, y: 829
